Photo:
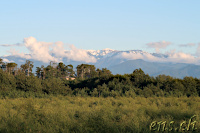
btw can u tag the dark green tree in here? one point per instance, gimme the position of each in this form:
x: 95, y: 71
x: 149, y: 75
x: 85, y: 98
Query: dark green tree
x: 140, y: 79
x: 55, y: 86
x: 27, y: 67
x: 28, y: 83
x: 11, y: 68
x: 70, y: 71
x: 7, y: 81
x: 38, y: 72
x: 86, y: 71
x: 190, y: 86
x: 62, y: 68
x: 1, y: 61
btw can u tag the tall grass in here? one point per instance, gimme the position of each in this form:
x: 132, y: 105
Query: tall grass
x: 93, y: 115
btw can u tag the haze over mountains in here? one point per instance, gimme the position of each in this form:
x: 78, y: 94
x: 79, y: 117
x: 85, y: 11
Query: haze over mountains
x: 121, y: 62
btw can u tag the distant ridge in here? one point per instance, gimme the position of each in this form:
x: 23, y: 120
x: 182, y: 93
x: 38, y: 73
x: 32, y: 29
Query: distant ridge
x: 178, y: 70
x: 127, y: 61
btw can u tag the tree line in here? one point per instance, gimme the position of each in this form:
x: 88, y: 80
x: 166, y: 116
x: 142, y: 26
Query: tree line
x: 86, y: 80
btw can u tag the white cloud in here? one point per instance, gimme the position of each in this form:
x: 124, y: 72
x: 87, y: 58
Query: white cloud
x: 7, y: 61
x: 11, y: 45
x: 39, y: 50
x: 176, y: 57
x: 187, y: 45
x: 79, y: 55
x: 42, y: 51
x: 143, y: 56
x: 58, y: 50
x: 22, y: 55
x: 158, y: 45
x: 181, y: 57
x: 72, y: 54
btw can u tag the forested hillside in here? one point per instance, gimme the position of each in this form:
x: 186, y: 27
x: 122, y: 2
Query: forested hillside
x: 61, y: 79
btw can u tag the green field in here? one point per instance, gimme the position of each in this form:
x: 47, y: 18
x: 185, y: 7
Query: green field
x: 93, y: 114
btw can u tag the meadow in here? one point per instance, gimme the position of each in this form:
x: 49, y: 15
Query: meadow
x: 99, y: 115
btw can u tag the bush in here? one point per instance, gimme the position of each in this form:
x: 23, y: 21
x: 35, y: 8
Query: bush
x: 28, y: 83
x: 55, y: 86
x: 7, y: 81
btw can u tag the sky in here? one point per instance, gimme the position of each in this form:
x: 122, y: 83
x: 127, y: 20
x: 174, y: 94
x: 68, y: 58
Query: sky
x: 151, y: 25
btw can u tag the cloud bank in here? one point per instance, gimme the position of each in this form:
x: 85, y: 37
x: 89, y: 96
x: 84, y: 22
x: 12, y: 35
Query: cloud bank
x: 172, y: 56
x: 44, y: 51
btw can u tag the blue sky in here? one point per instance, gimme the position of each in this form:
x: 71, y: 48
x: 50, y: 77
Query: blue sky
x: 91, y: 24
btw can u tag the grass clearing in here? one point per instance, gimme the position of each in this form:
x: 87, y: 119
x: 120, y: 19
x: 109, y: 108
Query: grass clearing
x: 92, y: 114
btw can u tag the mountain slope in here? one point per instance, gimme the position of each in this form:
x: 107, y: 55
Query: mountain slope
x: 178, y: 70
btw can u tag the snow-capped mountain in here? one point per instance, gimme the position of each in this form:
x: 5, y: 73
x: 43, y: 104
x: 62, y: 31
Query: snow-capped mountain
x: 102, y: 53
x: 109, y: 57
x: 110, y: 52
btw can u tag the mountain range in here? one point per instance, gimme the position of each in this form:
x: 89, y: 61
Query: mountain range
x: 121, y: 62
